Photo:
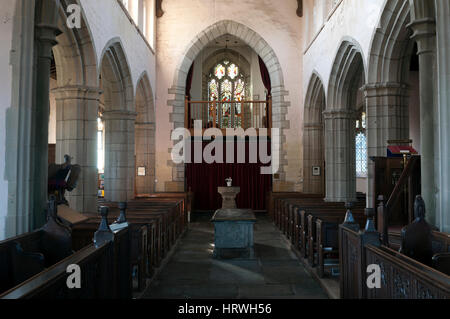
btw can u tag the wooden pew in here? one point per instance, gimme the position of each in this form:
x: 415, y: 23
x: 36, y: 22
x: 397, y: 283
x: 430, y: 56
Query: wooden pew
x: 145, y: 253
x: 274, y: 197
x: 104, y: 266
x: 325, y: 240
x: 161, y: 215
x: 24, y: 256
x: 327, y: 216
x: 164, y: 219
x: 401, y: 277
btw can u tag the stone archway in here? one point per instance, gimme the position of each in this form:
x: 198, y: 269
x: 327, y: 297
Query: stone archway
x: 119, y: 119
x: 313, y: 137
x: 340, y: 116
x: 145, y: 137
x: 267, y: 54
x: 77, y: 96
x: 405, y: 23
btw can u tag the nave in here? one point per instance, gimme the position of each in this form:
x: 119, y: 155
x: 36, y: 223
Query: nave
x: 274, y: 273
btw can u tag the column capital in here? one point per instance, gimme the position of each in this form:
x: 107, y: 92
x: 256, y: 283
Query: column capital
x: 46, y: 35
x: 81, y: 92
x: 339, y: 114
x: 424, y: 32
x: 313, y: 126
x: 119, y: 115
x: 385, y: 89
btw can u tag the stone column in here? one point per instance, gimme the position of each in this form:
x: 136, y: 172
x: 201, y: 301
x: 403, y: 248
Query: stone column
x: 387, y: 119
x: 45, y: 37
x: 119, y: 155
x: 340, y: 155
x: 145, y: 157
x: 76, y: 135
x: 443, y: 73
x: 424, y: 27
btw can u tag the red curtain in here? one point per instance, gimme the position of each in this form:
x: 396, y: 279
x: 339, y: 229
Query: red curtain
x: 204, y: 179
x: 265, y: 76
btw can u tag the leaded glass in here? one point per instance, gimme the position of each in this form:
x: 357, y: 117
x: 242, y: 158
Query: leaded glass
x: 213, y: 90
x: 233, y: 71
x: 219, y: 71
x: 239, y: 90
x: 227, y: 84
x: 226, y: 89
x: 361, y: 155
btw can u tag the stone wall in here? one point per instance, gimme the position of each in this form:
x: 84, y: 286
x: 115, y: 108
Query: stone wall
x: 275, y: 30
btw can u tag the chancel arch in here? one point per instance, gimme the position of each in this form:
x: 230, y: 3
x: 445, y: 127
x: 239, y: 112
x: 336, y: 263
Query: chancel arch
x: 313, y: 138
x: 268, y: 56
x: 145, y: 137
x: 347, y: 77
x: 118, y: 116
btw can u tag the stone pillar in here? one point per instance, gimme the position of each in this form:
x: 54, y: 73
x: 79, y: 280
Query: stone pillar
x: 313, y: 156
x: 443, y: 73
x: 45, y: 37
x: 340, y: 155
x: 387, y: 119
x: 76, y: 135
x: 424, y: 28
x: 145, y: 157
x: 119, y: 155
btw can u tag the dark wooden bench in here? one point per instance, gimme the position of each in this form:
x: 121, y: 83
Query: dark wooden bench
x: 104, y: 265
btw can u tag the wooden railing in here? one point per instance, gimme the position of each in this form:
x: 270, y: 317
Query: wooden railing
x: 410, y: 178
x: 229, y: 114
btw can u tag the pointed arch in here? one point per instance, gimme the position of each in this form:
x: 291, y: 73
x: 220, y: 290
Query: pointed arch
x: 313, y: 136
x: 346, y: 74
x: 145, y: 136
x: 391, y: 48
x: 346, y: 78
x: 75, y: 58
x: 267, y: 54
x: 118, y: 113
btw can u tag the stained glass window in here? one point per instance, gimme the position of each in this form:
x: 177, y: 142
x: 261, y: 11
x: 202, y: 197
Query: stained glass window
x: 361, y: 146
x: 227, y: 84
x: 213, y: 90
x: 219, y: 71
x: 226, y: 89
x: 233, y: 71
x: 239, y: 90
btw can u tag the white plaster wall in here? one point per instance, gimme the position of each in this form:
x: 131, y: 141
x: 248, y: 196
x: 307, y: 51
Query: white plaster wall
x: 275, y: 23
x: 107, y: 21
x: 352, y: 19
x: 6, y: 29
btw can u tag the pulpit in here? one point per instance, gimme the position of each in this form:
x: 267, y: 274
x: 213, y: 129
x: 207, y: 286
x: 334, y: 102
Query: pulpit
x: 229, y: 196
x: 233, y: 233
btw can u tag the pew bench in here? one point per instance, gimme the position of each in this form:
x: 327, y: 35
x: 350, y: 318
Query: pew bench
x: 104, y: 268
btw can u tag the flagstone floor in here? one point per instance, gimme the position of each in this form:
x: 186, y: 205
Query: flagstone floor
x: 274, y: 273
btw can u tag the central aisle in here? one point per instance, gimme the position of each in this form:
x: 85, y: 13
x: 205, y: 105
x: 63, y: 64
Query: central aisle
x: 192, y: 273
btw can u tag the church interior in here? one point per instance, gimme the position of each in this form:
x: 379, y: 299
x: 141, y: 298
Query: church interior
x: 212, y: 149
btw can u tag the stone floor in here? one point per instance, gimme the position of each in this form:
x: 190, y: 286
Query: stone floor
x: 192, y: 273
